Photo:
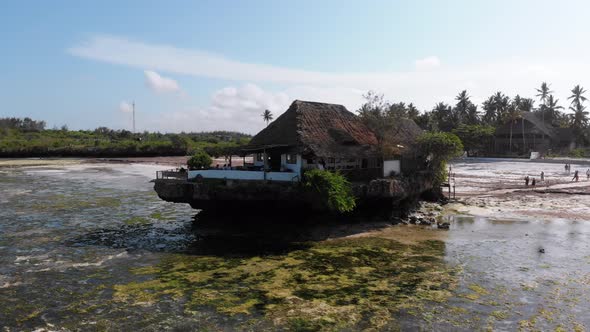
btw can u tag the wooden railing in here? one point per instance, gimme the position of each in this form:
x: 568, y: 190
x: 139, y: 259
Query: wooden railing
x: 172, y: 174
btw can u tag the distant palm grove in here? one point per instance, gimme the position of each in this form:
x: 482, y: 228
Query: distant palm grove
x: 29, y: 138
x: 501, y: 126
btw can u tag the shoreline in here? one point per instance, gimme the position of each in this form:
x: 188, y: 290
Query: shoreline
x: 497, y: 190
x: 63, y: 161
x: 175, y: 161
x: 558, y: 160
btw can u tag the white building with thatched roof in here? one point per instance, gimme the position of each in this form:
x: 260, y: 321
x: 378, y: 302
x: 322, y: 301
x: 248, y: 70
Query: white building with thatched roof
x: 312, y: 135
x: 308, y: 135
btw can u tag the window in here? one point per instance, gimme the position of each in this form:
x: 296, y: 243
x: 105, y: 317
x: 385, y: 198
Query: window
x: 291, y: 158
x: 365, y: 163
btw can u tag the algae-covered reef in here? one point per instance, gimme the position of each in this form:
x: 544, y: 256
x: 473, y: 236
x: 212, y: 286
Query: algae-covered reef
x: 356, y: 283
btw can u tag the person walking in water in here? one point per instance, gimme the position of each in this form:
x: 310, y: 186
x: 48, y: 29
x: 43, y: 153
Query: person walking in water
x: 533, y: 182
x: 565, y: 167
x: 588, y: 174
x: 576, y: 176
x: 526, y: 180
x: 542, y: 176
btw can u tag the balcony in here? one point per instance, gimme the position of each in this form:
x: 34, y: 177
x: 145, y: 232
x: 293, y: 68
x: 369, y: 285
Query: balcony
x: 244, y: 175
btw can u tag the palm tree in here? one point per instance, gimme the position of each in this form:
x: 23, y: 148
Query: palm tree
x: 413, y: 112
x: 524, y: 105
x: 577, y: 96
x: 513, y: 114
x: 495, y: 108
x: 462, y: 105
x: 518, y: 103
x: 490, y: 111
x: 543, y: 93
x: 553, y: 109
x: 580, y: 116
x: 267, y: 116
x: 443, y: 115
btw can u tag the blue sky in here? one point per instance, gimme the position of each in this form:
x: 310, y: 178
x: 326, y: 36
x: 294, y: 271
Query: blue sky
x: 204, y: 65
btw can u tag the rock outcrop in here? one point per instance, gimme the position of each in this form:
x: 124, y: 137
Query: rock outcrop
x: 381, y: 196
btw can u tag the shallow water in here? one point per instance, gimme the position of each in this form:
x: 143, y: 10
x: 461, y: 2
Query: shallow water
x: 91, y: 247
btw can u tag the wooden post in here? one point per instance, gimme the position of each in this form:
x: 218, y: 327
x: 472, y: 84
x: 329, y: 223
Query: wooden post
x: 264, y: 163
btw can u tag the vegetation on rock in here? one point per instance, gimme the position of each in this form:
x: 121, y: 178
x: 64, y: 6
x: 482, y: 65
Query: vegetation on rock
x: 332, y: 188
x: 439, y: 147
x: 199, y: 161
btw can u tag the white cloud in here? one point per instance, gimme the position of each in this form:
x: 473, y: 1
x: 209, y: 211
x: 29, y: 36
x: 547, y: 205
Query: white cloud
x: 189, y: 62
x: 427, y: 63
x: 125, y: 107
x: 231, y: 108
x: 160, y: 84
x: 238, y: 107
x: 422, y: 87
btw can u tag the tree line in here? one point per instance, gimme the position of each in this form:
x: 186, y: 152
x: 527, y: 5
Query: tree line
x: 476, y: 124
x: 29, y: 138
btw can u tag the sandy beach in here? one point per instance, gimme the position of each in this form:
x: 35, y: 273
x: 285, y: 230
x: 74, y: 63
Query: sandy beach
x: 498, y: 189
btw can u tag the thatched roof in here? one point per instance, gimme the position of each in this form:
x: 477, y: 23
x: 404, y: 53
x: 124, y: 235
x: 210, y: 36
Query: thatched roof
x: 400, y: 138
x: 533, y: 124
x: 404, y: 131
x: 324, y: 130
x: 565, y: 135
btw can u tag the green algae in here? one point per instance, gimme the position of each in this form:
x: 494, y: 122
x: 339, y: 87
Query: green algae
x: 499, y: 314
x: 478, y: 289
x: 60, y: 202
x: 136, y: 220
x: 330, y: 285
x: 158, y: 215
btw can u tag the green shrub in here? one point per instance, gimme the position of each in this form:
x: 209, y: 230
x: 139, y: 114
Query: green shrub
x: 439, y: 147
x: 577, y: 153
x: 200, y: 160
x: 475, y: 138
x: 332, y: 188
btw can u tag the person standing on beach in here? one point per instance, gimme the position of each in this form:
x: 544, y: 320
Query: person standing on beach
x: 588, y: 174
x: 565, y: 167
x: 526, y: 180
x: 533, y: 182
x: 542, y: 176
x: 576, y: 176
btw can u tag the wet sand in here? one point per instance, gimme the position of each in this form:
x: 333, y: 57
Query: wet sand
x: 497, y: 189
